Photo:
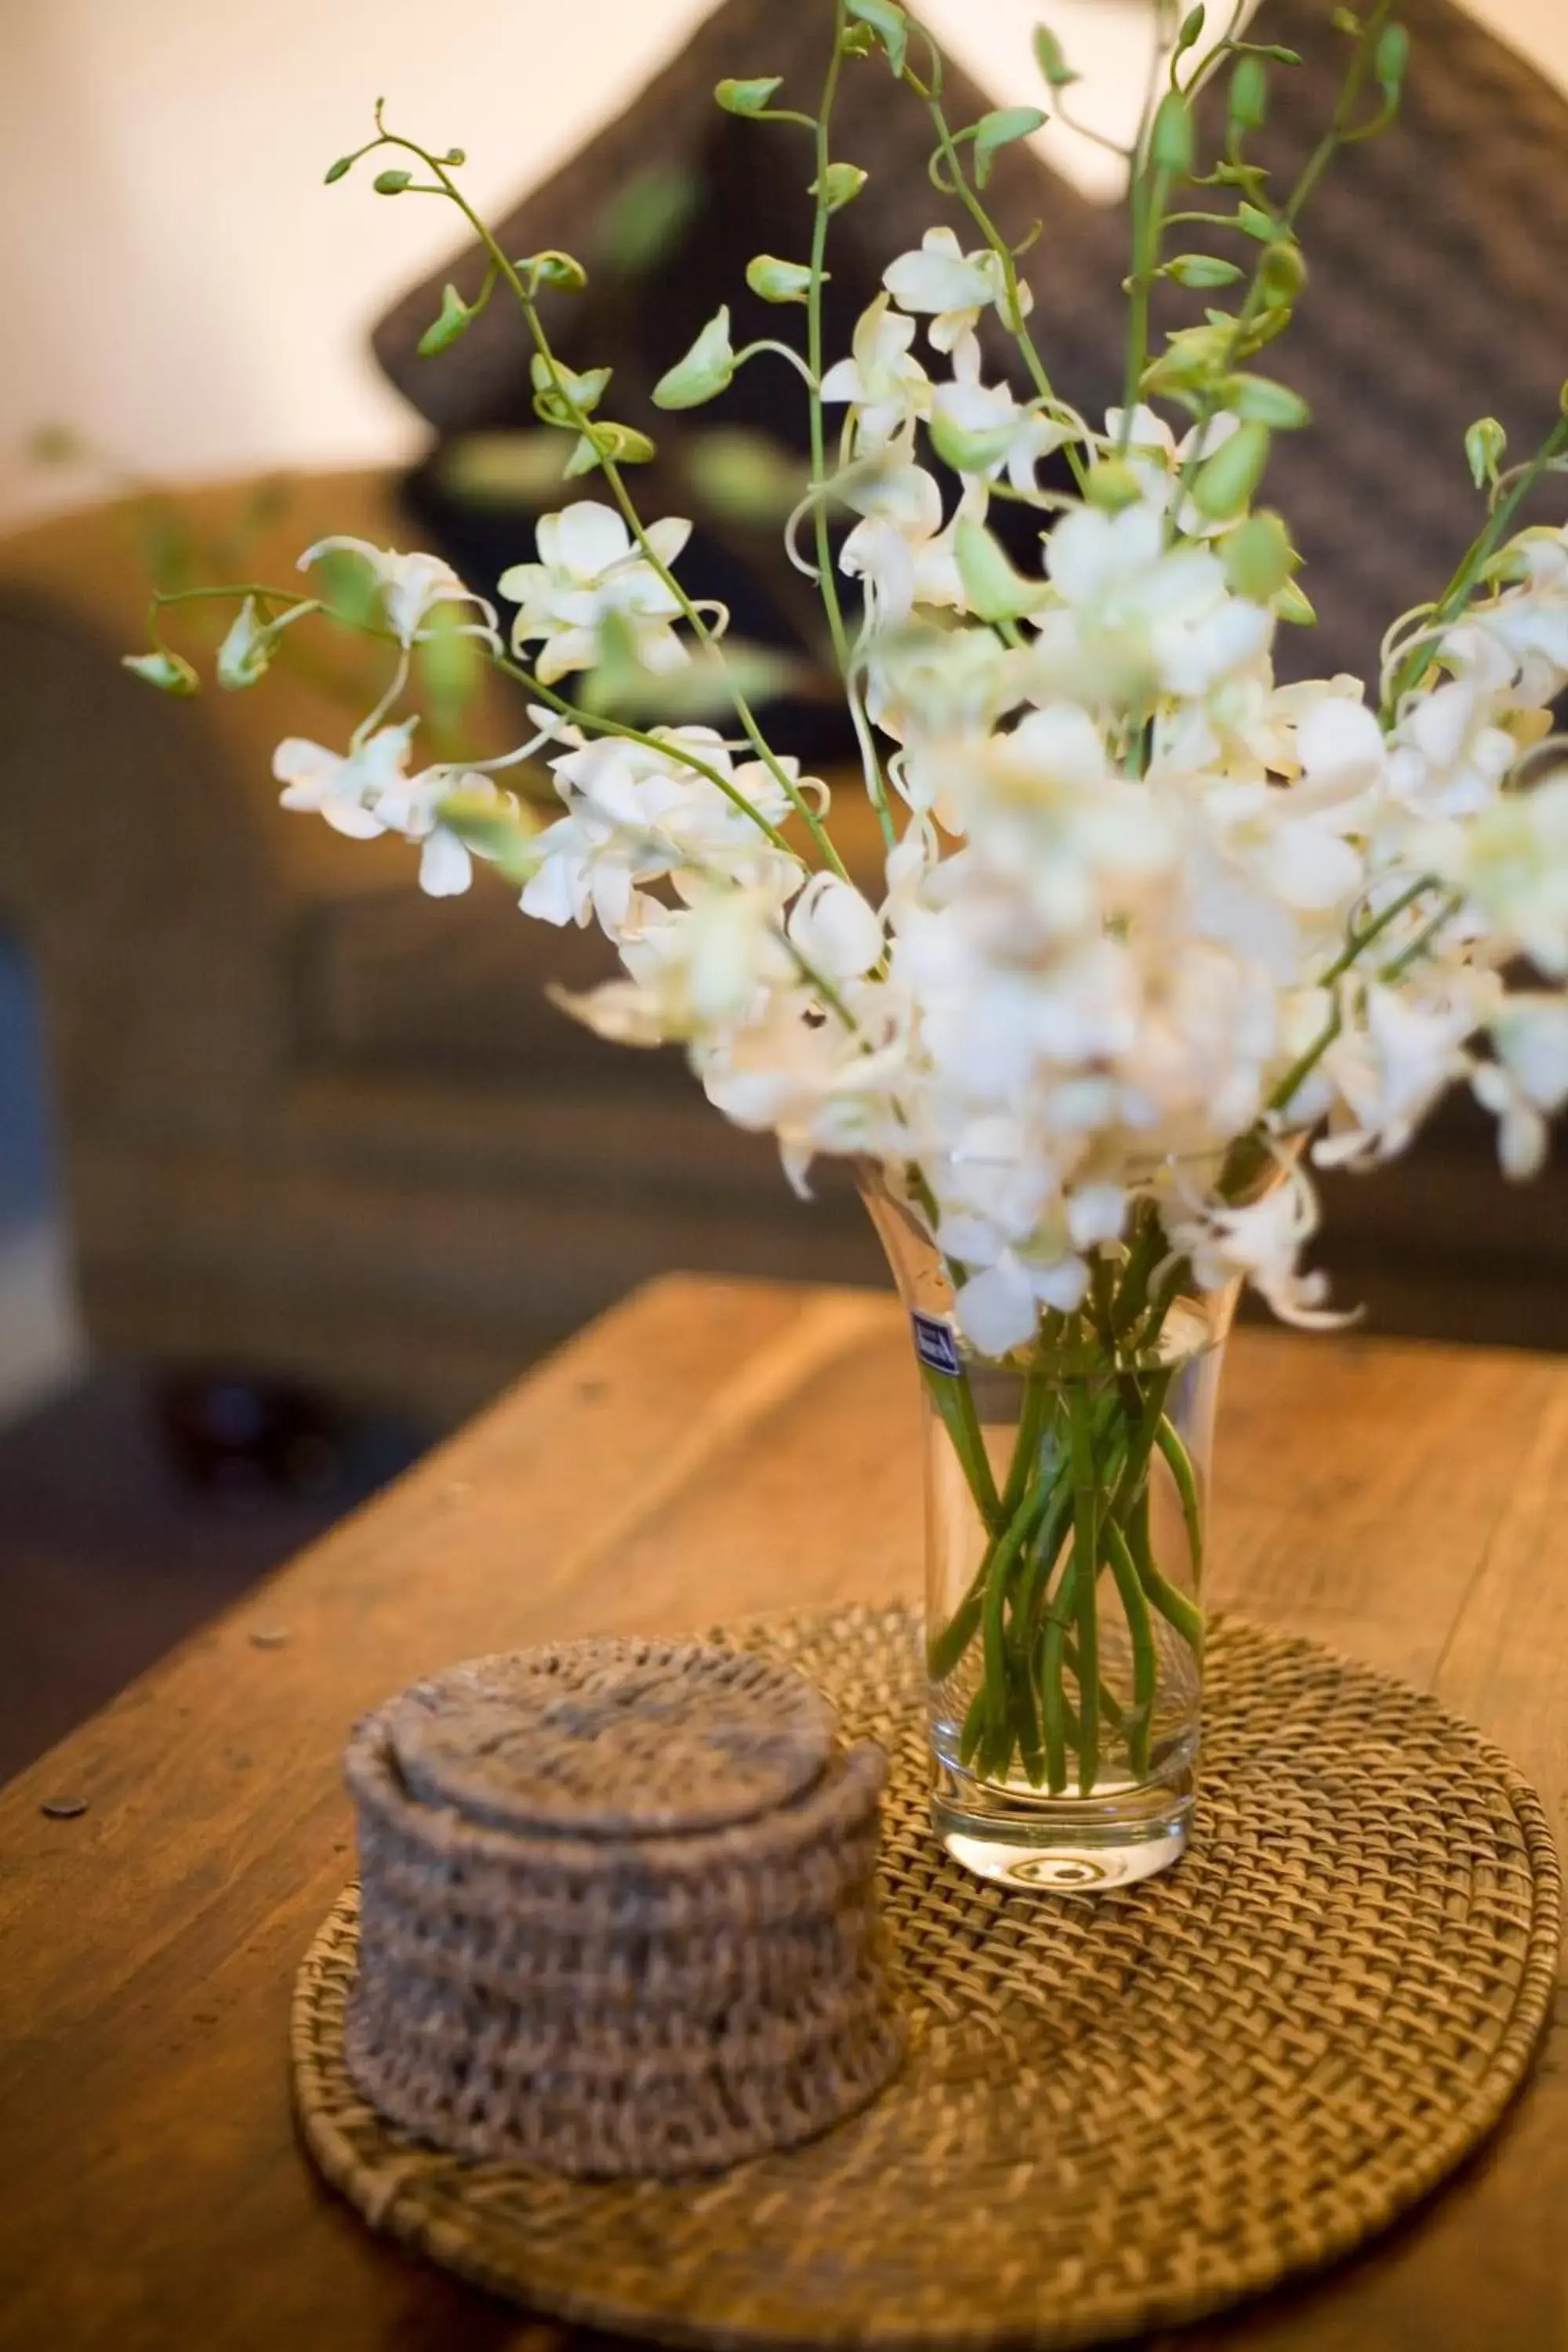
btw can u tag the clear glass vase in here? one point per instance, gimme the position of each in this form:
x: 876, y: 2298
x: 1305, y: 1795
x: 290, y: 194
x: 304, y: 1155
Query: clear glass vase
x: 1064, y: 1703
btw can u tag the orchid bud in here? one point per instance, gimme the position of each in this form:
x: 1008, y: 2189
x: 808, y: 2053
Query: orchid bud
x: 777, y: 280
x: 623, y: 445
x: 1284, y: 271
x: 1393, y: 57
x: 838, y: 185
x: 999, y: 129
x: 968, y: 448
x: 1049, y: 59
x: 1484, y: 444
x: 994, y: 589
x: 344, y: 165
x: 454, y: 315
x: 170, y: 673
x: 708, y: 368
x: 1258, y: 557
x: 1226, y: 480
x: 1170, y: 141
x: 746, y: 97
x: 1192, y: 27
x: 1111, y: 484
x: 1248, y: 94
x: 1292, y: 604
x: 246, y: 651
x: 1200, y: 270
x: 888, y: 20
x: 1259, y: 400
x: 391, y: 184
x: 553, y: 269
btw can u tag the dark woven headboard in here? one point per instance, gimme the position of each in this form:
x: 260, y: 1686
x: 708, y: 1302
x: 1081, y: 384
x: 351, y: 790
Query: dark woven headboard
x: 1438, y: 256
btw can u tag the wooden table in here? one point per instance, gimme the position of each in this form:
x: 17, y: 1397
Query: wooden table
x: 707, y: 1448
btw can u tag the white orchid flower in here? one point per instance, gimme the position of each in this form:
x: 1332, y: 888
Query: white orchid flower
x: 950, y: 286
x: 411, y: 806
x: 984, y: 431
x: 411, y: 587
x: 589, y: 567
x: 1451, y: 750
x: 1259, y: 1242
x: 883, y: 381
x: 346, y: 788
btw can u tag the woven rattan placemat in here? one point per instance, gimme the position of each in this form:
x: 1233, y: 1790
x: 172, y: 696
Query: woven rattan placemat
x: 1117, y: 2111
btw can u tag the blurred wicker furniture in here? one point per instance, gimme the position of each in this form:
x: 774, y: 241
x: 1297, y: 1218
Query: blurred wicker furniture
x: 318, y: 1126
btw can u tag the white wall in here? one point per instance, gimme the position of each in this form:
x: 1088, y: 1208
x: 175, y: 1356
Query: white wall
x: 177, y: 284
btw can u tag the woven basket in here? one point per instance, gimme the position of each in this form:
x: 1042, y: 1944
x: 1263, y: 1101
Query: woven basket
x: 1117, y: 2111
x: 618, y: 1910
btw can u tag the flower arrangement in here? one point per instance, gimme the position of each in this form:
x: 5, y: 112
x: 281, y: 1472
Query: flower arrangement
x: 1154, y: 935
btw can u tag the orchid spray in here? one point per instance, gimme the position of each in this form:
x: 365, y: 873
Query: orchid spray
x: 1153, y: 935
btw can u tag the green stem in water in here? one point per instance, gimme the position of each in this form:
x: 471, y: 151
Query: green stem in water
x: 1180, y: 1464
x: 1086, y: 1548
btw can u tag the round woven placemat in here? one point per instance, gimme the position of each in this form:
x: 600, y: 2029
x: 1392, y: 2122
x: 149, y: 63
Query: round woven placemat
x: 1118, y: 2111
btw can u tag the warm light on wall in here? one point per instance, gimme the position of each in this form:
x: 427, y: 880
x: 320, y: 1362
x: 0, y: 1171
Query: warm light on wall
x: 188, y: 295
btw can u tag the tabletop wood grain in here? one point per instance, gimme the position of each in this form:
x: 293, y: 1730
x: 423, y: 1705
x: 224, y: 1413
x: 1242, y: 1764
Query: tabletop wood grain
x: 710, y: 1448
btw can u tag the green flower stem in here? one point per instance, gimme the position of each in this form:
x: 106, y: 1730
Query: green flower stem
x: 1482, y: 548
x: 627, y: 734
x: 1005, y: 1560
x: 1145, y: 1670
x: 1149, y: 192
x: 560, y: 386
x: 1013, y: 317
x: 1086, y: 1548
x: 1181, y: 1614
x: 952, y: 1401
x: 827, y: 573
x: 1180, y: 1464
x: 1340, y: 132
x: 1053, y: 1699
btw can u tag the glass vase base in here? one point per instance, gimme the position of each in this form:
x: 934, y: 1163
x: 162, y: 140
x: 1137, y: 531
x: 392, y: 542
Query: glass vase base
x: 1083, y: 1845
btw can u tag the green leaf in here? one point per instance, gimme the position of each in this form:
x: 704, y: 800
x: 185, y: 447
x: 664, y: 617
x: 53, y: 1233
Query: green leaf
x: 337, y: 171
x: 994, y: 589
x: 391, y: 184
x: 445, y: 330
x: 777, y: 280
x: 888, y: 20
x: 1170, y: 141
x: 999, y: 129
x: 1201, y: 270
x: 708, y: 368
x: 839, y: 185
x: 170, y: 673
x: 1263, y: 402
x: 748, y: 97
x: 1049, y: 59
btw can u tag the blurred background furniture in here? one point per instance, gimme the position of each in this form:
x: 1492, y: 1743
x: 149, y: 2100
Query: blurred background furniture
x: 320, y: 1127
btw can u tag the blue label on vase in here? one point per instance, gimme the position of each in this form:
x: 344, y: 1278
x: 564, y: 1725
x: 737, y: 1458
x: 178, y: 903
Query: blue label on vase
x: 934, y: 1344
